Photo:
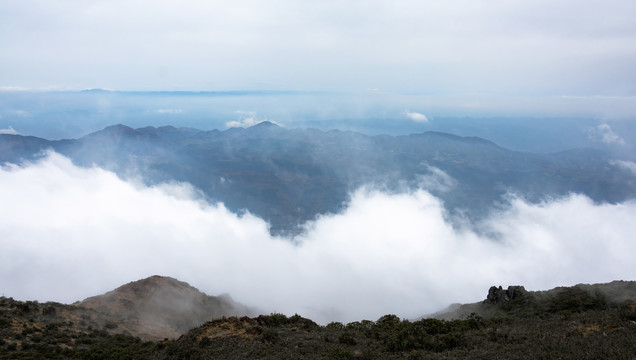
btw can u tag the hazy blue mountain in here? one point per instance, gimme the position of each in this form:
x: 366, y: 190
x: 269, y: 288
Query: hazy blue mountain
x: 288, y: 176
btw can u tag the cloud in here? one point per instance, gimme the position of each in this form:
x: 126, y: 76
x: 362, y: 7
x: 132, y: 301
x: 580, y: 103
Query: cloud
x: 312, y: 46
x: 67, y: 233
x: 13, y: 88
x: 605, y: 134
x: 628, y: 165
x: 415, y: 116
x: 436, y: 180
x: 169, y: 111
x: 248, y: 118
x: 9, y: 131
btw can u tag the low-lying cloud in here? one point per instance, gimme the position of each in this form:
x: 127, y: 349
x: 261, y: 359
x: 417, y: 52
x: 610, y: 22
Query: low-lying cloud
x: 415, y: 116
x: 10, y: 130
x: 169, y: 111
x: 627, y: 165
x: 604, y: 133
x: 247, y: 119
x: 68, y: 233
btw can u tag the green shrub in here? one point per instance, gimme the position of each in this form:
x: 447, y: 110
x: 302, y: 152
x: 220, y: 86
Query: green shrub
x: 341, y: 354
x: 270, y: 336
x: 206, y: 341
x: 110, y: 325
x: 4, y: 323
x: 273, y: 320
x: 576, y: 300
x: 388, y: 320
x: 347, y: 339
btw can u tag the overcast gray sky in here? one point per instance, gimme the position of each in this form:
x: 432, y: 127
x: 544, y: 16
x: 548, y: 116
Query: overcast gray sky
x: 528, y: 47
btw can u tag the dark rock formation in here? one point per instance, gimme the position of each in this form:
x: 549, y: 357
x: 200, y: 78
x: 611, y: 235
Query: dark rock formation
x: 497, y: 295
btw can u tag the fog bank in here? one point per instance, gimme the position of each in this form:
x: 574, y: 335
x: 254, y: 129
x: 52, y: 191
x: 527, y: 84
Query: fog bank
x: 68, y: 233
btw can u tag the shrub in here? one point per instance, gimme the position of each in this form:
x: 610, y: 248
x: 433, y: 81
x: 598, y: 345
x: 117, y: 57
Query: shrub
x: 270, y: 336
x: 388, y: 320
x: 335, y: 325
x: 273, y: 320
x: 347, y: 339
x: 341, y: 354
x: 206, y: 341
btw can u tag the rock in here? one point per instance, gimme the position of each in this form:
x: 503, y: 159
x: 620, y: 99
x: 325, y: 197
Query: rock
x: 516, y: 292
x: 497, y: 295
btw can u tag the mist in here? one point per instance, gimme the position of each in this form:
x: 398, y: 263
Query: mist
x: 69, y: 232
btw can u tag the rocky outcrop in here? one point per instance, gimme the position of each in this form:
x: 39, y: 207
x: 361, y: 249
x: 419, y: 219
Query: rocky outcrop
x: 497, y: 295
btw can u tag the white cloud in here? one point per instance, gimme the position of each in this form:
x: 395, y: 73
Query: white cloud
x: 10, y: 130
x: 247, y: 119
x: 170, y: 111
x: 609, y: 136
x: 605, y: 134
x: 628, y: 165
x: 436, y: 180
x: 67, y: 233
x: 13, y: 88
x: 415, y: 116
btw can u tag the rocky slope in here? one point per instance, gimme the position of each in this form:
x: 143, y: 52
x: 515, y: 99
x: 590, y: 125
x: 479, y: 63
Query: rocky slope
x: 580, y: 322
x: 161, y: 307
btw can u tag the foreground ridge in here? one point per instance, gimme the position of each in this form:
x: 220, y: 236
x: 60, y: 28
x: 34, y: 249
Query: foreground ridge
x: 161, y: 307
x: 579, y: 322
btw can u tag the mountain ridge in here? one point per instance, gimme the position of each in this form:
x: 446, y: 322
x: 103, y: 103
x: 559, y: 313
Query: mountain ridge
x: 291, y: 176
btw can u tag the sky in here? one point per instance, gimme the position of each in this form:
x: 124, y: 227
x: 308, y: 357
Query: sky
x: 531, y: 75
x: 390, y: 63
x: 521, y: 47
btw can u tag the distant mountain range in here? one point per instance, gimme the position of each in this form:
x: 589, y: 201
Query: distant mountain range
x: 289, y: 176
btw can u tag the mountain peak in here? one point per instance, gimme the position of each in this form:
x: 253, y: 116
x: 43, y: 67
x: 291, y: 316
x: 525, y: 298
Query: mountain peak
x: 145, y: 287
x: 264, y: 128
x: 161, y: 306
x: 265, y: 125
x: 117, y: 130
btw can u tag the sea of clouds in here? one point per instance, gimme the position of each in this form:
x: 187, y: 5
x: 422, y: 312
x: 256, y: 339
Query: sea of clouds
x: 67, y: 233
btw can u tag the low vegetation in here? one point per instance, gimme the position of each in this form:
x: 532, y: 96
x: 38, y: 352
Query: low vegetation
x: 564, y: 323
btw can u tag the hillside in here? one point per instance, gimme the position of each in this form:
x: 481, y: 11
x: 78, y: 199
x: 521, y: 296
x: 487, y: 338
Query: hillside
x: 290, y: 176
x: 161, y: 307
x: 580, y: 322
